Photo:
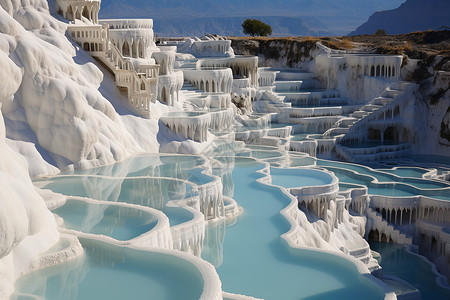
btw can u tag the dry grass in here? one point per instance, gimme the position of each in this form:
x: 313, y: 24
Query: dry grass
x: 262, y: 38
x: 444, y: 52
x: 397, y: 48
x: 343, y: 43
x: 311, y: 39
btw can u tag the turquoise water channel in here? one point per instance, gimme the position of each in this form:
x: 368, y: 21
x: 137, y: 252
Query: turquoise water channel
x: 257, y: 262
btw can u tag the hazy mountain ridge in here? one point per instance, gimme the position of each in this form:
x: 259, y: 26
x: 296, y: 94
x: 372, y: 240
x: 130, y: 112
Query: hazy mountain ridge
x: 413, y: 15
x: 307, y: 17
x: 231, y: 26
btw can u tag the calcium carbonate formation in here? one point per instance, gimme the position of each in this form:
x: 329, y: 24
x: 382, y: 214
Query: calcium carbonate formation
x: 196, y: 96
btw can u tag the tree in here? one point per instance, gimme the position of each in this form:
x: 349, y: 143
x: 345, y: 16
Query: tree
x: 255, y: 27
x: 380, y: 32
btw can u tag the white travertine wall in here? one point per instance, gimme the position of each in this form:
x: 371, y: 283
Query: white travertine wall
x: 393, y: 121
x: 222, y: 119
x: 169, y: 80
x: 169, y: 87
x: 241, y: 65
x: 347, y: 73
x: 192, y: 126
x: 165, y: 60
x: 189, y: 236
x: 133, y: 37
x: 78, y: 9
x: 214, y: 80
x: 212, y: 48
x: 266, y: 77
x: 304, y: 146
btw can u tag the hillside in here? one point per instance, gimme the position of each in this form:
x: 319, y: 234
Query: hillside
x: 413, y: 15
x: 417, y: 45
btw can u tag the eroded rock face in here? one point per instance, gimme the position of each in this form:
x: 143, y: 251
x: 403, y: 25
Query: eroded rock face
x: 279, y: 53
x: 242, y: 102
x: 445, y: 126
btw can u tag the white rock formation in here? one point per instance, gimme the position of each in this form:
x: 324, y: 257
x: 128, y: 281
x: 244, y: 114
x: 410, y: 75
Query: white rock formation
x: 27, y: 228
x: 207, y: 48
x: 349, y: 73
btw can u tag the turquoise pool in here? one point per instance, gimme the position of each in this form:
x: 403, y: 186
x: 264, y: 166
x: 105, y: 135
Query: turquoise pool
x: 250, y: 256
x: 175, y: 166
x: 111, y: 272
x: 300, y: 137
x: 146, y: 191
x: 119, y: 222
x: 390, y: 185
x: 396, y: 261
x: 177, y: 215
x: 406, y: 172
x: 296, y: 178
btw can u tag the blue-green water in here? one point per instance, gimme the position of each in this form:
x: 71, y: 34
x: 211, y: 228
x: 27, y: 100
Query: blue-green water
x: 406, y: 172
x: 151, y: 192
x: 369, y: 144
x: 296, y: 178
x: 300, y: 136
x: 269, y: 125
x: 250, y: 256
x: 111, y: 272
x: 396, y: 261
x: 175, y: 166
x: 258, y: 263
x: 118, y: 222
x: 392, y: 185
x: 177, y: 215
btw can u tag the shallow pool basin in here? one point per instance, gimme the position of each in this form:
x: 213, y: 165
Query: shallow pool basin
x: 178, y: 215
x: 146, y: 191
x: 296, y: 178
x: 119, y: 222
x: 112, y: 272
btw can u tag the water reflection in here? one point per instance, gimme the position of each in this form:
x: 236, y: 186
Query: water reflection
x: 151, y: 192
x: 213, y: 244
x: 118, y: 222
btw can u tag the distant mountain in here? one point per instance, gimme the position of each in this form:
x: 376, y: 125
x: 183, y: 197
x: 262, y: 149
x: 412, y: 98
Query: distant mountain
x: 231, y: 26
x: 413, y: 15
x: 287, y: 17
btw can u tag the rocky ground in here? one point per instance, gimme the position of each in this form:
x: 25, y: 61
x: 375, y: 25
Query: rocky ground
x: 423, y: 45
x: 415, y: 45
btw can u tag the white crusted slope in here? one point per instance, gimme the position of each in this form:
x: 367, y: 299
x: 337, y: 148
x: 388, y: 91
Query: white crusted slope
x: 27, y: 228
x: 58, y: 101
